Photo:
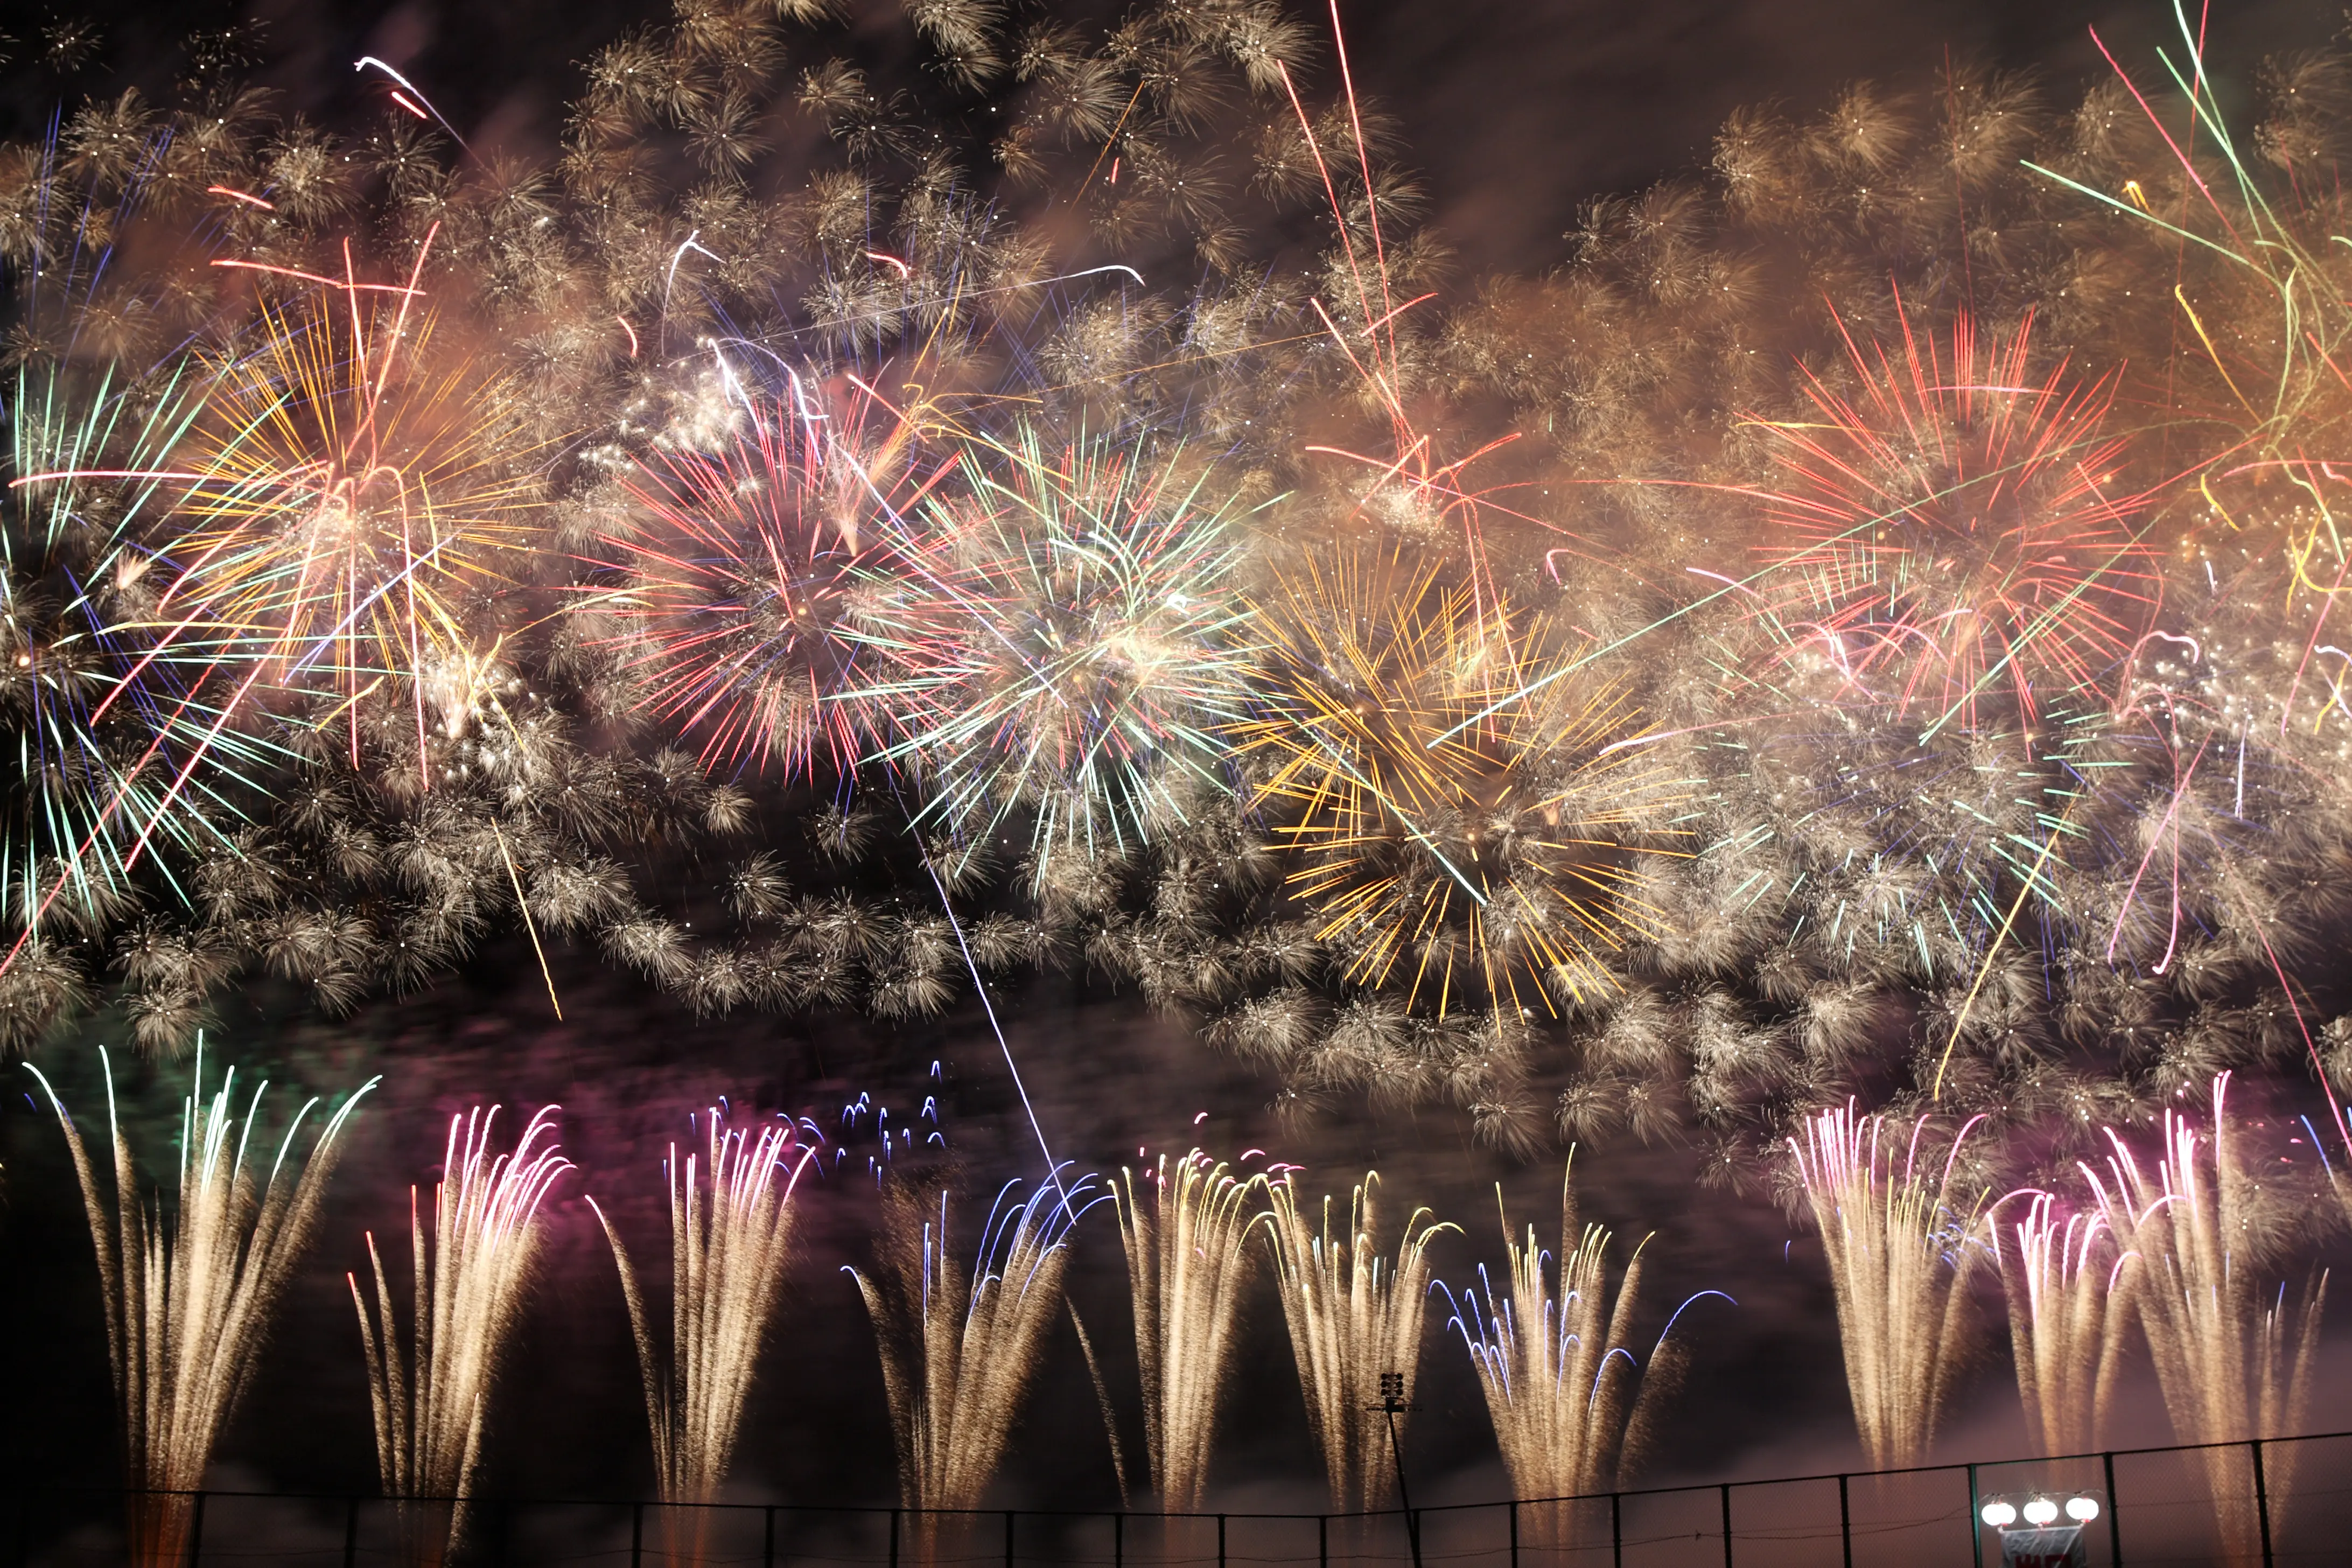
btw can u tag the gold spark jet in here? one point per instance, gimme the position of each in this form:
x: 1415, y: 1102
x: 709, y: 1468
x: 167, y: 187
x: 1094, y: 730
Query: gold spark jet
x: 960, y: 1352
x: 1571, y: 1406
x: 431, y: 1395
x: 2229, y: 1367
x: 1352, y: 1315
x: 2070, y: 1302
x: 731, y: 1233
x: 1187, y: 1262
x: 188, y: 1301
x: 1899, y: 1254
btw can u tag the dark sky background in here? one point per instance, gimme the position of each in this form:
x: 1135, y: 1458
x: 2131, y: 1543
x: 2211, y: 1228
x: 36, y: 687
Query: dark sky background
x: 1516, y: 111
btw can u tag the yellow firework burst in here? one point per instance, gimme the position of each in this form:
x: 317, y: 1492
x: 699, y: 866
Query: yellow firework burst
x: 1456, y: 826
x: 353, y: 478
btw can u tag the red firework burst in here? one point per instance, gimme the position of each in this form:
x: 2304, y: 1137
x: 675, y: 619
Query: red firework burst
x: 1952, y: 527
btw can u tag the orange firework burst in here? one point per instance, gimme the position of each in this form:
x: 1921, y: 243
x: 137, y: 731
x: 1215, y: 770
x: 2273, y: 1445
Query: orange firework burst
x: 349, y: 483
x: 1483, y: 841
x: 1952, y: 526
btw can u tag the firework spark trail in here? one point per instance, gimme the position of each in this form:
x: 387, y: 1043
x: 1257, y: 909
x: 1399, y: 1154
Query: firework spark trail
x: 1385, y: 374
x: 2230, y: 1364
x: 1555, y: 1362
x: 1188, y: 1261
x: 1899, y: 1252
x: 2069, y: 1288
x: 958, y: 1351
x: 431, y: 1388
x: 730, y: 1224
x: 1352, y: 1315
x: 189, y: 1300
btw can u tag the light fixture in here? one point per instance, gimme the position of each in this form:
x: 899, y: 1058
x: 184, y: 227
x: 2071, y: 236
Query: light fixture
x: 2041, y: 1511
x: 2000, y: 1515
x: 2081, y: 1510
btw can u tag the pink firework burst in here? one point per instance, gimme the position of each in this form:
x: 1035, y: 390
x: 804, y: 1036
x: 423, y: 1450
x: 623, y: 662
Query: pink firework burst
x: 757, y: 573
x: 1951, y: 527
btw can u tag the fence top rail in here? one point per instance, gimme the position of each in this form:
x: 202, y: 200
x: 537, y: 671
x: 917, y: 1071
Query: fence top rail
x: 19, y: 1493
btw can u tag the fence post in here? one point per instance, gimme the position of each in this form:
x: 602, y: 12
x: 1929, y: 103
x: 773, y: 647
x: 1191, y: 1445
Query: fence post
x: 2114, y: 1515
x: 196, y: 1530
x: 1845, y: 1521
x: 1221, y: 1541
x: 1975, y: 1522
x: 1616, y: 1531
x: 768, y: 1539
x: 2263, y: 1502
x: 1514, y: 1506
x: 350, y: 1531
x: 1322, y: 1540
x: 1727, y: 1524
x: 636, y: 1533
x: 893, y: 1538
x: 1118, y: 1540
x: 1008, y: 1538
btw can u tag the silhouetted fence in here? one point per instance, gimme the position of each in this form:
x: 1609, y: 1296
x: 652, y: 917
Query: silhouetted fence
x: 2284, y: 1500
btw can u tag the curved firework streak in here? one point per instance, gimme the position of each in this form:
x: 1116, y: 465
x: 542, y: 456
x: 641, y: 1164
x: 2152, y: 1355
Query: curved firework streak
x: 1482, y: 855
x: 1949, y: 526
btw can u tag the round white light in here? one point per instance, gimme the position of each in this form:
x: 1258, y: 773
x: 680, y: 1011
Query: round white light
x: 2000, y: 1515
x: 2081, y: 1510
x: 2041, y: 1511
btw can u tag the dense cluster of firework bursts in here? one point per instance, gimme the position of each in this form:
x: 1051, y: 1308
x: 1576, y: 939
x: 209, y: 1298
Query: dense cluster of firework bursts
x: 1860, y: 630
x: 2175, y: 1259
x: 1657, y: 696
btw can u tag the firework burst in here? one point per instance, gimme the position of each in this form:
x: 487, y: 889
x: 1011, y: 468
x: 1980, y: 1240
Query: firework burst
x: 1950, y: 528
x: 1100, y: 653
x: 351, y: 485
x: 104, y: 715
x: 762, y: 559
x: 1459, y: 820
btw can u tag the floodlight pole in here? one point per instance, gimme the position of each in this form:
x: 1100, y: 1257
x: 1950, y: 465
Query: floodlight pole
x: 1391, y: 1407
